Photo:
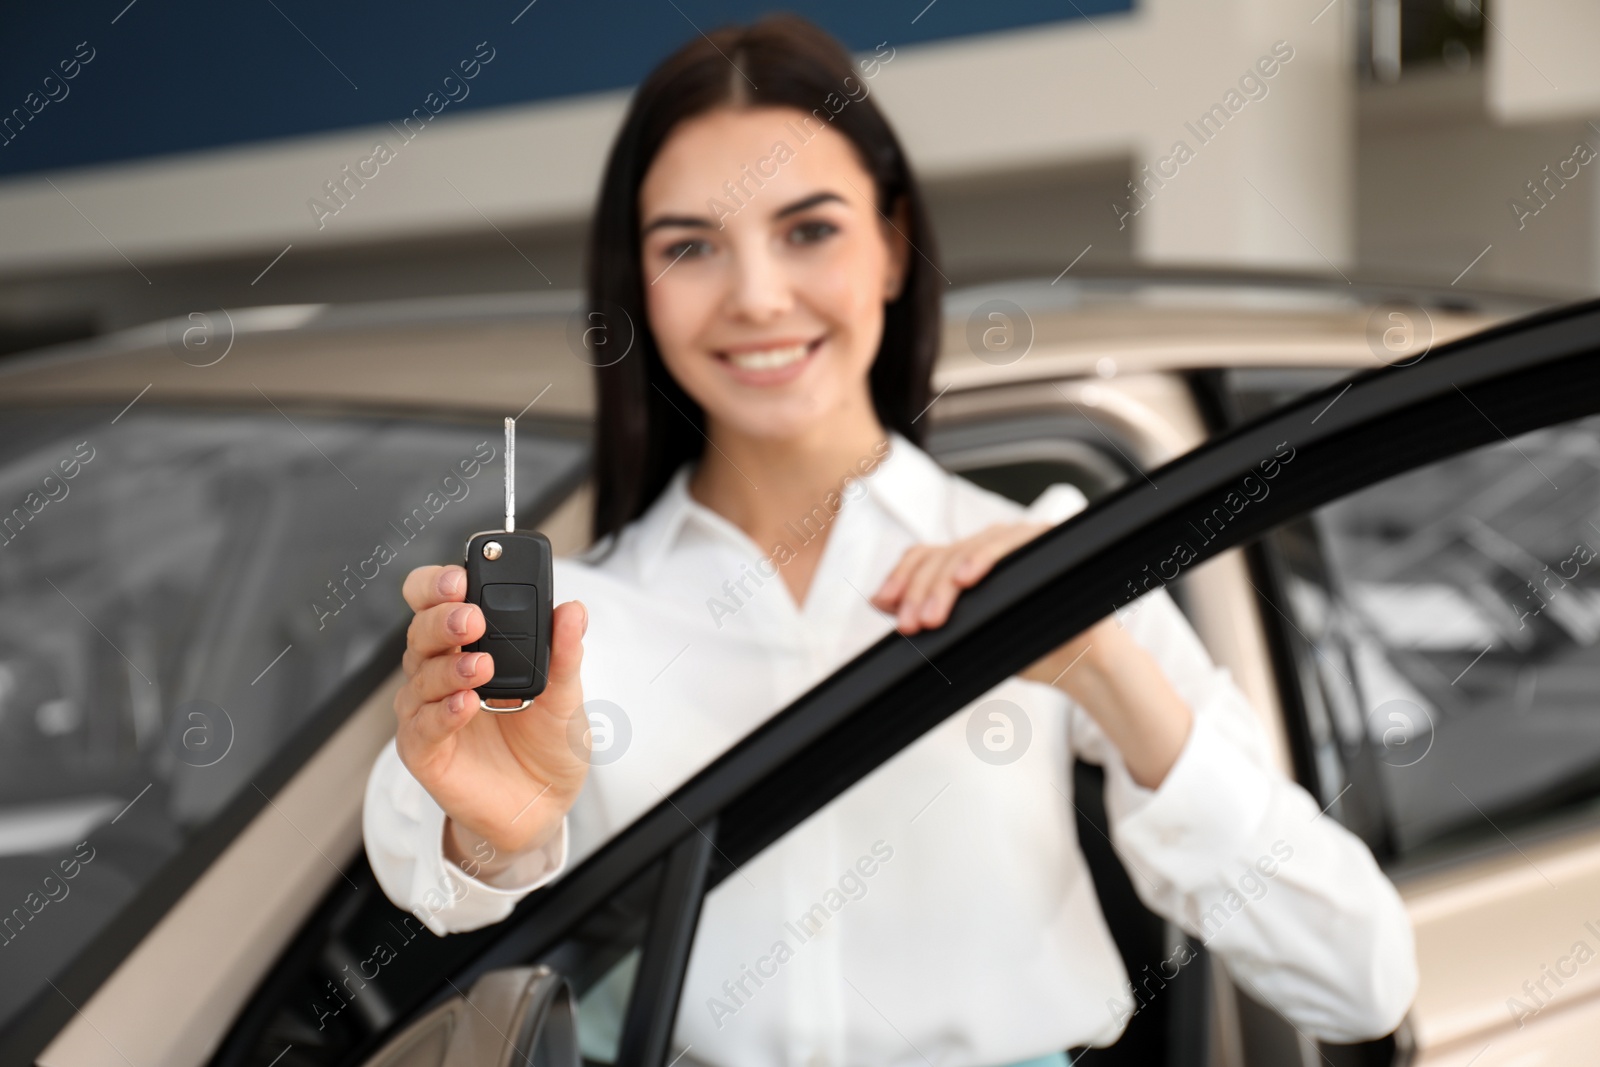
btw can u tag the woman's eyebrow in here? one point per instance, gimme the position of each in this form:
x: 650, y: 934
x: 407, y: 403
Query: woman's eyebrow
x: 692, y: 221
x: 809, y: 202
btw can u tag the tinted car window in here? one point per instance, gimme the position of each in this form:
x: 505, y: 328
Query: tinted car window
x: 1449, y: 625
x: 183, y: 590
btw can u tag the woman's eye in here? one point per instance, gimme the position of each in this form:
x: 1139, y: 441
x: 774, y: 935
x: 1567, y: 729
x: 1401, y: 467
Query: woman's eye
x: 811, y: 232
x: 686, y: 249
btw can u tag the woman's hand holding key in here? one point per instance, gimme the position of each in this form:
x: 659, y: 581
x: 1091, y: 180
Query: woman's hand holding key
x: 504, y: 779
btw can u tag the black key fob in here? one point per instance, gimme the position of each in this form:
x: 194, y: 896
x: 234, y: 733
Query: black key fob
x: 509, y: 577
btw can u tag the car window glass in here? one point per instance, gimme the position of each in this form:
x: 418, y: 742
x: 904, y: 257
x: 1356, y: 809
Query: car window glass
x: 184, y: 590
x: 1448, y: 628
x: 601, y: 1009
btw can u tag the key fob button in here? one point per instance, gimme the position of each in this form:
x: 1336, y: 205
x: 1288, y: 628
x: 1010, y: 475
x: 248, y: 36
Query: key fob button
x: 510, y: 611
x: 513, y: 662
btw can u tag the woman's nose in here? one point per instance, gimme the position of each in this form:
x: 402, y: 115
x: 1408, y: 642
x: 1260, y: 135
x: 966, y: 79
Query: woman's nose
x: 761, y: 287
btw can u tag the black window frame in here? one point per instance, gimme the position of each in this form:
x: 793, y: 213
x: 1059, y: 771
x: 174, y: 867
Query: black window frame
x: 1507, y: 380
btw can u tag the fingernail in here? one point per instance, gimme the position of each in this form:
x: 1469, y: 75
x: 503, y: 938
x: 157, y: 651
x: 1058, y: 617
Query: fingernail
x: 458, y: 702
x: 452, y: 581
x: 457, y: 621
x: 467, y: 665
x: 585, y: 621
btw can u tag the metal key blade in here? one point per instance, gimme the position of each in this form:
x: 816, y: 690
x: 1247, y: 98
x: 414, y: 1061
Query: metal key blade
x: 511, y: 475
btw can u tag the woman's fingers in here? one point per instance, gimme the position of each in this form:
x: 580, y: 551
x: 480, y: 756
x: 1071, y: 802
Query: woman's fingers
x: 568, y: 622
x: 444, y: 675
x: 540, y: 736
x: 427, y: 586
x: 439, y: 629
x: 437, y: 702
x: 993, y: 545
x: 925, y: 584
x: 889, y: 593
x: 944, y: 587
x: 433, y: 724
x: 919, y: 584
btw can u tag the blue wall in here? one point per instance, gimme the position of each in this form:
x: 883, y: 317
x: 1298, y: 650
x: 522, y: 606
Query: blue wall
x: 177, y: 75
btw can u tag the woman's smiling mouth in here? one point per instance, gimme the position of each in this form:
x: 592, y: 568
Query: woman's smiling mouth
x: 769, y: 363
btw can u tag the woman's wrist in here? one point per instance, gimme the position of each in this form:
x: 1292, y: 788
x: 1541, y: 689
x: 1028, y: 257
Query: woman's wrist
x: 476, y: 857
x: 1120, y: 684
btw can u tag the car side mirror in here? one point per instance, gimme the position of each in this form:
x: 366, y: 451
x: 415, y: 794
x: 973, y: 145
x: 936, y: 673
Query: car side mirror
x: 514, y: 1016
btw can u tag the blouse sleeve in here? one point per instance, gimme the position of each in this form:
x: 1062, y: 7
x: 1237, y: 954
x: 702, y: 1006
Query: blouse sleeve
x: 1242, y: 858
x: 403, y: 828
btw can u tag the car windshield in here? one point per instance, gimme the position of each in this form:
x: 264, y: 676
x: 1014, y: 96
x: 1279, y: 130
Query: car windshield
x: 184, y: 590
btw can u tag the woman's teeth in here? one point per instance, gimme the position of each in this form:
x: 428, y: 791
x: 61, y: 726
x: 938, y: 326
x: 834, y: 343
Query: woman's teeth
x: 768, y: 358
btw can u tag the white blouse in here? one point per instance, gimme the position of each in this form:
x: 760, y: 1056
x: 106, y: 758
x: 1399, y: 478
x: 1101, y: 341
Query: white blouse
x: 940, y: 909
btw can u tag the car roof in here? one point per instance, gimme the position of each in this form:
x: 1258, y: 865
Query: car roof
x: 479, y: 353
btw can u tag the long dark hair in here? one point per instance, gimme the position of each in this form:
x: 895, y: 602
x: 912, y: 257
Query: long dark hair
x: 647, y: 425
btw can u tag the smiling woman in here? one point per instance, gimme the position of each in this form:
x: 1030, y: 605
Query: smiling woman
x: 772, y: 318
x: 784, y: 343
x: 822, y: 213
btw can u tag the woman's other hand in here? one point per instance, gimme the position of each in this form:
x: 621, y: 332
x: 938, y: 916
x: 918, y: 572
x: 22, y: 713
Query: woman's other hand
x: 507, y: 779
x: 1122, y: 687
x: 925, y: 583
x: 1103, y: 669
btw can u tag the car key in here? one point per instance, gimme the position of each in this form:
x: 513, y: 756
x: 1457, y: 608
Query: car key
x: 509, y: 578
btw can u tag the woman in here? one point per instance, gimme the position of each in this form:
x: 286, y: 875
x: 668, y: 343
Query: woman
x: 759, y: 226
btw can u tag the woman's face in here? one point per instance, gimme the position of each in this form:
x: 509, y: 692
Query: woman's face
x: 767, y: 302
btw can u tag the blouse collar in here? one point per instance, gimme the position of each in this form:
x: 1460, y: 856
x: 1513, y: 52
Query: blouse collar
x: 907, y: 483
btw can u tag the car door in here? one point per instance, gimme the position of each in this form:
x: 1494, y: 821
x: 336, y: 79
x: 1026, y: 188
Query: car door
x: 622, y: 926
